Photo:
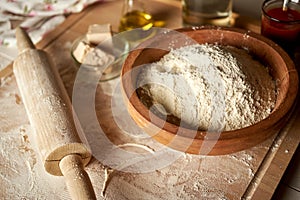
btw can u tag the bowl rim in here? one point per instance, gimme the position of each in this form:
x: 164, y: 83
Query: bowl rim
x: 274, y: 118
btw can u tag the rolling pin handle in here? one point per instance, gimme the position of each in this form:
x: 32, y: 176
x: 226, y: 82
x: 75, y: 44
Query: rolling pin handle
x: 23, y: 40
x: 77, y: 180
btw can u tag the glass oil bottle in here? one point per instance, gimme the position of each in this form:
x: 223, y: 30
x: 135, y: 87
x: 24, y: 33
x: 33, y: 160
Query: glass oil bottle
x: 134, y: 16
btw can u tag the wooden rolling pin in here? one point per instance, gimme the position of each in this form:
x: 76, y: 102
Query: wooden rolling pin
x: 50, y: 114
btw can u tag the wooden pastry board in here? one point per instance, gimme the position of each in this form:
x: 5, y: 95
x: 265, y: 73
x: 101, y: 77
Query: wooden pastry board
x: 250, y: 174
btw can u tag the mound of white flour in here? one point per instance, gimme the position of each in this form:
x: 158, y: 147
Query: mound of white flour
x: 210, y: 87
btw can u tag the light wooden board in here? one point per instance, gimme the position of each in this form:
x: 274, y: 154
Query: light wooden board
x: 253, y: 173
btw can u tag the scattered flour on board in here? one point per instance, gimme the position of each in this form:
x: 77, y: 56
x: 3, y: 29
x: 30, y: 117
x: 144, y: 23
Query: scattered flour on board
x: 210, y: 87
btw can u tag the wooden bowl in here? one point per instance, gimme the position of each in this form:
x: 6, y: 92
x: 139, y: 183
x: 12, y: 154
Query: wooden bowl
x: 282, y: 69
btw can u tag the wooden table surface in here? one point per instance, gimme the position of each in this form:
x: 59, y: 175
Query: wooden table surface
x: 250, y: 174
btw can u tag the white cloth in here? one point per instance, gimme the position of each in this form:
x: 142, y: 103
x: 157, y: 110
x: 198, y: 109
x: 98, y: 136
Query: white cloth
x: 37, y: 16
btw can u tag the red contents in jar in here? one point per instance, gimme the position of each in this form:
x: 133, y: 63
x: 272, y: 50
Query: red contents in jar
x: 279, y: 14
x: 282, y: 26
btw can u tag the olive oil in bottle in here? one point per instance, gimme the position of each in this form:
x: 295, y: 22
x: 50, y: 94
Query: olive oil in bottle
x: 136, y: 19
x: 136, y: 23
x: 134, y: 16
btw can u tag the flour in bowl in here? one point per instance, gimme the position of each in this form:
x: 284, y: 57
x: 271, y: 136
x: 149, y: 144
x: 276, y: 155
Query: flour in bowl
x: 208, y: 87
